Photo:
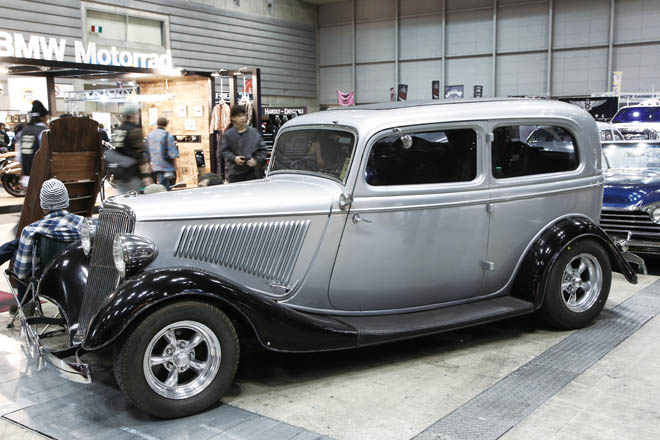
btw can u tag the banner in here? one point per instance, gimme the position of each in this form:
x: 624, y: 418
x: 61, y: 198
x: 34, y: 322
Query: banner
x: 435, y: 89
x: 478, y: 91
x: 617, y: 80
x: 345, y: 99
x: 454, y: 92
x: 403, y: 92
x: 392, y: 94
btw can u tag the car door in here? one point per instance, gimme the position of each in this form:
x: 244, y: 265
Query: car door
x: 533, y: 185
x: 417, y: 229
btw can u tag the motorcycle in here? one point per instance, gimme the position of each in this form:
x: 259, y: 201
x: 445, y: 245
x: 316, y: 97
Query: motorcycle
x: 10, y: 174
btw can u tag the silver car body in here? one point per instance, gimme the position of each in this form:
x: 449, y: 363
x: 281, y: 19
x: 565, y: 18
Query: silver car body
x: 393, y: 249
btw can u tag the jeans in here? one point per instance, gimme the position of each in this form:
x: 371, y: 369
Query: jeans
x: 166, y: 178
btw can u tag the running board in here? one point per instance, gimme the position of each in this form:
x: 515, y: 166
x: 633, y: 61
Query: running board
x: 386, y: 328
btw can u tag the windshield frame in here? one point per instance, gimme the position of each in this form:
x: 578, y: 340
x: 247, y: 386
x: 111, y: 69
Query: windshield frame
x: 334, y: 127
x: 628, y: 144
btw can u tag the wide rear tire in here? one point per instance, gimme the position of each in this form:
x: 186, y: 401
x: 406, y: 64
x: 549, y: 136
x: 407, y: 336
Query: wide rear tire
x: 578, y: 286
x: 179, y: 360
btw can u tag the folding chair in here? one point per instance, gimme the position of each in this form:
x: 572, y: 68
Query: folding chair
x: 45, y: 249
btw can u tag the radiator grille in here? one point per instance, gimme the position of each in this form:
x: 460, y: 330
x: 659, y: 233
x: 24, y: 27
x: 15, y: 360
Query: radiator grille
x: 267, y: 250
x: 103, y: 277
x: 638, y: 223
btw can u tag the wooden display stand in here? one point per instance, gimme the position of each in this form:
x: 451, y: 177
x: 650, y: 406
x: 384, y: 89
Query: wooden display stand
x: 71, y: 152
x: 191, y: 95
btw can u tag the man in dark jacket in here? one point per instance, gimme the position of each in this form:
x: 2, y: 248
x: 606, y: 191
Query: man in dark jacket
x: 128, y: 163
x: 243, y: 148
x: 4, y: 137
x: 30, y: 138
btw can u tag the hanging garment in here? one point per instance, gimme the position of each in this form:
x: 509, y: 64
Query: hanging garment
x: 220, y: 118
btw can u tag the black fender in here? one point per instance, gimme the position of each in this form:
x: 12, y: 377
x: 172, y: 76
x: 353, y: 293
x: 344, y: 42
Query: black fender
x: 64, y: 280
x: 533, y: 273
x: 276, y: 326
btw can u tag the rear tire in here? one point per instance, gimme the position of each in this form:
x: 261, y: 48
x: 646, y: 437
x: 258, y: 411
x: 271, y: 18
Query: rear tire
x: 179, y: 360
x: 12, y: 184
x: 578, y: 286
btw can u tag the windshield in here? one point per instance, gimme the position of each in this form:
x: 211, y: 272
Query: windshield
x: 314, y: 150
x: 637, y: 114
x: 636, y: 155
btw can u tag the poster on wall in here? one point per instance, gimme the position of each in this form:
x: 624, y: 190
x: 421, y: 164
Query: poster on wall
x: 392, y: 94
x: 153, y: 116
x: 24, y: 90
x: 198, y: 111
x: 182, y: 111
x: 105, y: 119
x: 403, y: 92
x: 190, y: 125
x: 345, y: 99
x: 454, y: 92
x: 478, y: 91
x: 62, y: 89
x: 435, y: 89
x: 617, y: 80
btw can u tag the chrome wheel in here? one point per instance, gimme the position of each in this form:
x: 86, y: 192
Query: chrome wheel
x: 182, y: 360
x: 581, y: 282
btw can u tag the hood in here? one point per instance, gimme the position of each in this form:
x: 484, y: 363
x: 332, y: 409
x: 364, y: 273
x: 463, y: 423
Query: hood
x: 631, y: 188
x: 277, y: 195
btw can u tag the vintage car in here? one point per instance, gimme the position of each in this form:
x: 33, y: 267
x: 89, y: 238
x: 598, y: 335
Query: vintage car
x: 373, y: 224
x: 631, y: 198
x: 639, y: 122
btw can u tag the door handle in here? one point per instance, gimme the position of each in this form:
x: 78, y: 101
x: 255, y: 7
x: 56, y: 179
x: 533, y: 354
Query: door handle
x: 357, y: 219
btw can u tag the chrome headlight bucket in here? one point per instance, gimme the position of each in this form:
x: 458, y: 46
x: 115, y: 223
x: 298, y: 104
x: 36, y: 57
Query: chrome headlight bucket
x: 132, y: 253
x: 655, y: 215
x: 87, y: 233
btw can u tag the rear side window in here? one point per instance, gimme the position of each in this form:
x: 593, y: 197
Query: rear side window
x: 423, y: 158
x: 524, y: 150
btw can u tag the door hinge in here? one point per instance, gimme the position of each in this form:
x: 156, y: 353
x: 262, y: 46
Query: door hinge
x: 488, y: 265
x: 490, y: 207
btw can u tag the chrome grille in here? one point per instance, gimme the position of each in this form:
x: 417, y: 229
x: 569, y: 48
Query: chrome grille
x: 103, y: 277
x: 637, y: 223
x: 267, y: 250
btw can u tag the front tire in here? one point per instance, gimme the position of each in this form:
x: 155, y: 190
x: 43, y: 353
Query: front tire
x: 578, y: 286
x: 179, y: 360
x: 12, y: 184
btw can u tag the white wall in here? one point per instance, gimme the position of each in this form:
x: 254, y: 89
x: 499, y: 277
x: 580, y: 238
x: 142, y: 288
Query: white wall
x: 577, y: 61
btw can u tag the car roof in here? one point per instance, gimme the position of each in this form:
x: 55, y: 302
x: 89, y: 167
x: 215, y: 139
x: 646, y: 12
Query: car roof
x: 373, y: 117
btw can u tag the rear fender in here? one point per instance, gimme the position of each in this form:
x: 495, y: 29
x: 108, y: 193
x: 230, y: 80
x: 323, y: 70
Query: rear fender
x: 277, y: 327
x: 534, y: 271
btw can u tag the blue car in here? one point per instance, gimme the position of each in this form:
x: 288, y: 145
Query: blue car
x: 631, y: 199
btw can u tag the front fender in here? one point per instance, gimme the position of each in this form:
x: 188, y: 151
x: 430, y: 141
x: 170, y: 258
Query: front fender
x: 64, y: 280
x: 533, y: 274
x: 276, y: 326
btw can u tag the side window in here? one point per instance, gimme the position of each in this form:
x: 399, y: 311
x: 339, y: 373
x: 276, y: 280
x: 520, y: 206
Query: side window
x: 424, y: 157
x: 523, y: 150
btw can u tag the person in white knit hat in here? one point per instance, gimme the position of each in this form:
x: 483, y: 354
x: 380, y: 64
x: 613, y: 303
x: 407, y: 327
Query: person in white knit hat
x: 57, y: 224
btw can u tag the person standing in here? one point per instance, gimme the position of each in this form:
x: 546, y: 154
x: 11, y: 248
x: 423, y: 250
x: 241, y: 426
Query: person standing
x: 4, y: 137
x: 243, y: 148
x: 30, y: 139
x: 128, y: 161
x: 163, y: 153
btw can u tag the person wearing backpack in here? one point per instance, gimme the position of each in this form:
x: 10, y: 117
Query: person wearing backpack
x: 163, y: 153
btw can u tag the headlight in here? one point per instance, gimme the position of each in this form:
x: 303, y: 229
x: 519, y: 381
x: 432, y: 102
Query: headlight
x: 655, y: 216
x: 87, y: 233
x: 131, y: 253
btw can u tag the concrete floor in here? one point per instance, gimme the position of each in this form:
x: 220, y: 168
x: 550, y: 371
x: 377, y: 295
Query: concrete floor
x: 396, y: 391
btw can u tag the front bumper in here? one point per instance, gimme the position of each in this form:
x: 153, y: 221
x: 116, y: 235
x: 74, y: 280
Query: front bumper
x: 77, y: 371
